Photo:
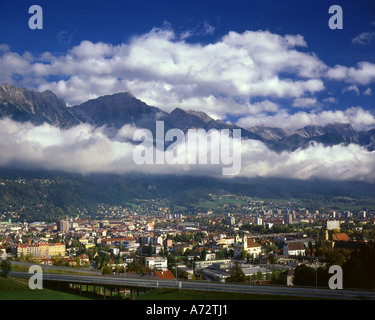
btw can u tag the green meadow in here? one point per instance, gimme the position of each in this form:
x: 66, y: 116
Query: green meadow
x: 18, y: 289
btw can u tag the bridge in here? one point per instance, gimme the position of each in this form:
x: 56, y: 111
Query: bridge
x: 115, y: 284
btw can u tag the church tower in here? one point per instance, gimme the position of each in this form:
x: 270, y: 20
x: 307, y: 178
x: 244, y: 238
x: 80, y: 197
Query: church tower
x: 244, y: 242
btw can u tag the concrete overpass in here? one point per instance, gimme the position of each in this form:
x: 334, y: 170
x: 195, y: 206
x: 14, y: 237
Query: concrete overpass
x: 147, y: 284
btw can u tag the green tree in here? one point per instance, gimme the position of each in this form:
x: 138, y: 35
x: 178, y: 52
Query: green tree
x: 304, y: 276
x: 98, y: 260
x: 5, y: 268
x: 276, y: 277
x: 309, y: 276
x: 106, y: 270
x: 259, y: 275
x: 237, y: 275
x: 358, y: 269
x: 203, y: 254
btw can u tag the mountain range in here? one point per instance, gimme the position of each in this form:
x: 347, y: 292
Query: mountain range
x: 116, y: 110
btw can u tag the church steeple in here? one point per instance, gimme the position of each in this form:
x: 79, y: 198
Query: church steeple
x: 244, y: 241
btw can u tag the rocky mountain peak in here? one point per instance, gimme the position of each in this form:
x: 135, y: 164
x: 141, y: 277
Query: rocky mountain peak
x: 116, y: 110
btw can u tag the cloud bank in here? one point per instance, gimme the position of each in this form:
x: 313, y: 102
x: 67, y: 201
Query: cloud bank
x: 254, y: 77
x: 84, y: 149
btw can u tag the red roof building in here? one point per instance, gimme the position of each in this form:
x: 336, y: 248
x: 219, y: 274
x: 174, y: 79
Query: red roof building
x: 340, y: 237
x: 165, y: 275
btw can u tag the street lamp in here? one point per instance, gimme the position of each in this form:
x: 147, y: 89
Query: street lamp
x: 316, y: 275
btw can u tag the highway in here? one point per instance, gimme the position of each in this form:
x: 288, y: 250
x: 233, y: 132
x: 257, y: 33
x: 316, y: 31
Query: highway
x: 46, y: 267
x: 205, y: 286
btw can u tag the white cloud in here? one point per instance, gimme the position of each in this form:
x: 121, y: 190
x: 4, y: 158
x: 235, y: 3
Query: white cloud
x: 305, y: 102
x: 162, y: 68
x: 80, y: 149
x: 201, y: 29
x: 220, y: 78
x: 363, y: 74
x: 262, y: 106
x: 359, y: 118
x: 364, y: 38
x: 353, y: 88
x: 368, y: 92
x: 84, y: 149
x: 337, y: 162
x: 330, y: 100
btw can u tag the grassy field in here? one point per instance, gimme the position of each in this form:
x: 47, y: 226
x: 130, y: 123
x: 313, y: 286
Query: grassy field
x: 171, y: 294
x: 50, y: 269
x: 18, y: 289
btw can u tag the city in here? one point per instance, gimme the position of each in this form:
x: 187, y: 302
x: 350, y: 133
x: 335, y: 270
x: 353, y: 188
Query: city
x: 246, y: 241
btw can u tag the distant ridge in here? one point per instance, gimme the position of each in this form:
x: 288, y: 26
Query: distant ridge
x: 116, y: 110
x: 22, y: 105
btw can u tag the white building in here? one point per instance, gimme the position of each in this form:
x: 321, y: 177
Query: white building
x: 210, y: 256
x: 249, y: 245
x: 333, y: 224
x: 362, y: 214
x: 294, y: 249
x: 157, y: 263
x: 258, y: 221
x: 205, y: 264
x: 268, y: 225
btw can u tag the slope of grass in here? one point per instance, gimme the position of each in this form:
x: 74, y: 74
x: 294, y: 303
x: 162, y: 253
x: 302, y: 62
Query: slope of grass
x: 18, y: 289
x: 172, y: 294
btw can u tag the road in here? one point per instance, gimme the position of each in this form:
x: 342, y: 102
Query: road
x: 68, y: 269
x: 206, y: 286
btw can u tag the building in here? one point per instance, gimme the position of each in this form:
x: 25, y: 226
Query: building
x: 165, y: 275
x: 40, y: 250
x: 225, y: 242
x: 253, y: 270
x: 362, y: 214
x: 83, y: 259
x: 294, y: 249
x: 64, y: 226
x: 156, y: 263
x: 290, y: 277
x: 340, y: 237
x: 268, y: 225
x: 222, y: 271
x: 258, y: 221
x: 158, y: 275
x: 230, y: 221
x: 288, y: 219
x: 210, y: 256
x: 180, y: 248
x: 89, y: 245
x: 149, y: 227
x: 3, y: 253
x: 333, y: 224
x: 348, y: 214
x: 37, y: 250
x: 56, y: 249
x: 205, y: 264
x: 168, y: 243
x: 250, y: 246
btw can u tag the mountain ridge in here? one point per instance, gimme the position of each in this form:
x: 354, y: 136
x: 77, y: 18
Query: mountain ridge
x: 116, y: 110
x: 21, y: 104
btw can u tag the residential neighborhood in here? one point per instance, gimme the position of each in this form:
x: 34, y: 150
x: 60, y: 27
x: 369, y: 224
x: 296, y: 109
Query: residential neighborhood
x: 267, y: 243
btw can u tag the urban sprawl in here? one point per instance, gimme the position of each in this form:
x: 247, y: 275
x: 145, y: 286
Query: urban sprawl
x: 264, y: 241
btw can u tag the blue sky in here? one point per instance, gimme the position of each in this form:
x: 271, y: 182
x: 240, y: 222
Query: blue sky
x: 116, y: 21
x: 341, y: 84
